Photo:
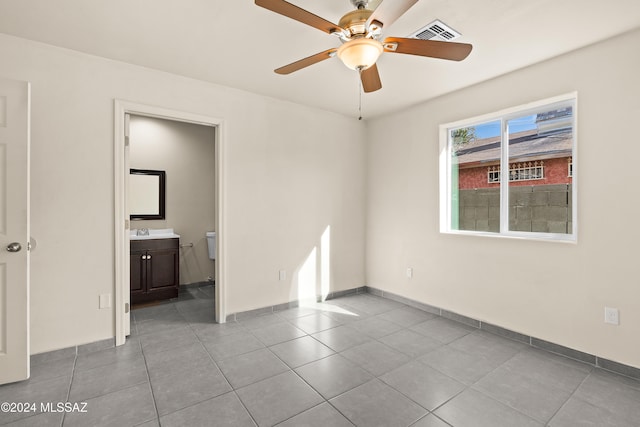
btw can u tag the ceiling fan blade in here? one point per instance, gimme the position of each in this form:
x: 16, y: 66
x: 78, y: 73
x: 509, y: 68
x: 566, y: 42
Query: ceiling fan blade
x: 294, y: 12
x: 310, y: 60
x: 431, y: 48
x: 388, y: 11
x: 370, y: 79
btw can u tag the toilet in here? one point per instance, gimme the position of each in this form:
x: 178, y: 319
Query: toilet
x: 211, y: 243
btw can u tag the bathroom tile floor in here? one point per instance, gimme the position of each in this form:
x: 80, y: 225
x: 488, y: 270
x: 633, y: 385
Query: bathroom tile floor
x: 357, y: 360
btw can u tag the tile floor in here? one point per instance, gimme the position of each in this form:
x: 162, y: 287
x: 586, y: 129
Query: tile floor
x: 357, y: 360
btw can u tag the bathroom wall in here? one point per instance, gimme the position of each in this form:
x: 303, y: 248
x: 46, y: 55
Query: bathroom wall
x: 185, y: 152
x: 553, y: 291
x: 290, y: 173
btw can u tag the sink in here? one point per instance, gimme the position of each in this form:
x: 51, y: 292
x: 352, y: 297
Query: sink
x: 158, y: 233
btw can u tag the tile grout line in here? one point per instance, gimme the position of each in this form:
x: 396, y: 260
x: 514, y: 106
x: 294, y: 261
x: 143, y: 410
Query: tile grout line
x: 467, y: 387
x: 153, y: 397
x: 368, y: 315
x: 233, y: 390
x: 531, y: 339
x: 374, y: 377
x: 495, y: 399
x: 325, y: 400
x: 73, y: 374
x: 293, y: 370
x: 570, y: 396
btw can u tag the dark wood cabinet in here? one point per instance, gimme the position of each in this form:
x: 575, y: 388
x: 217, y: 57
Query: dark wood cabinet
x: 155, y: 273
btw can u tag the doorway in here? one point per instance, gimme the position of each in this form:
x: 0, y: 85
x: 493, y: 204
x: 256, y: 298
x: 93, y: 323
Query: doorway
x: 123, y: 110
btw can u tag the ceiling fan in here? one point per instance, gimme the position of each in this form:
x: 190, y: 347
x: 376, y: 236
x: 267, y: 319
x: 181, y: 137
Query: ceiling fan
x: 360, y: 32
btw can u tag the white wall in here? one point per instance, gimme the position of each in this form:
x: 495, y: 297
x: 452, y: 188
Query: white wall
x: 186, y: 152
x: 553, y: 291
x: 291, y: 171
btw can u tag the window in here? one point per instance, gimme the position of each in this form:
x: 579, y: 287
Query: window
x: 525, y: 171
x: 494, y: 174
x: 534, y: 146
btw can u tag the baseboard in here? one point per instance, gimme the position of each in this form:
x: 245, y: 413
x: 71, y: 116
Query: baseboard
x: 591, y: 359
x: 197, y: 284
x: 594, y: 360
x: 292, y: 304
x: 75, y: 350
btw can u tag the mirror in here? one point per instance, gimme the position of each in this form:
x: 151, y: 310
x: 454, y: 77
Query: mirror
x: 146, y: 194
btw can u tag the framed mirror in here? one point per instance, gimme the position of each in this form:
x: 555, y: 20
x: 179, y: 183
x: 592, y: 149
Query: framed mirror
x: 146, y: 194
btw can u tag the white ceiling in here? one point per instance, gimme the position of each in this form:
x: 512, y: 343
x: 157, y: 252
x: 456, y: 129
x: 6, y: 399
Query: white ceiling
x: 238, y: 44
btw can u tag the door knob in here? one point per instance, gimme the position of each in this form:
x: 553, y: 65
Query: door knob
x: 14, y: 247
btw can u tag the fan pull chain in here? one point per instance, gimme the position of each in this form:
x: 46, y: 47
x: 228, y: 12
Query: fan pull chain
x: 360, y: 94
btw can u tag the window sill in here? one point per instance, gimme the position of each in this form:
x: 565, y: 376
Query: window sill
x: 539, y: 237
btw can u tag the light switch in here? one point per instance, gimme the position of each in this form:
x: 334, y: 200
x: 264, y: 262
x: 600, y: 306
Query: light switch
x: 105, y: 301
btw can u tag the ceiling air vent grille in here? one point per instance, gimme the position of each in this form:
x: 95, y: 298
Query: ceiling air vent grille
x: 437, y: 30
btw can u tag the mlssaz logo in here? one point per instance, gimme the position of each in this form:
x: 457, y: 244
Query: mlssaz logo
x: 63, y: 407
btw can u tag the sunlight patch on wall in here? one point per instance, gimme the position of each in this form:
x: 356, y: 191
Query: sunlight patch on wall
x: 307, y: 278
x: 325, y: 263
x: 313, y: 278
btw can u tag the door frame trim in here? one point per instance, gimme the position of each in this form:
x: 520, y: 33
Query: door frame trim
x: 121, y: 239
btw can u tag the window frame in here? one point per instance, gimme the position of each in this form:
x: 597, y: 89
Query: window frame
x: 503, y: 116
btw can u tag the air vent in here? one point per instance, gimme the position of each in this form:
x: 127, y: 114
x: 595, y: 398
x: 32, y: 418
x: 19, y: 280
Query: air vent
x: 437, y: 30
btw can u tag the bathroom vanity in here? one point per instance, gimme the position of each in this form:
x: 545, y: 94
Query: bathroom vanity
x: 155, y: 273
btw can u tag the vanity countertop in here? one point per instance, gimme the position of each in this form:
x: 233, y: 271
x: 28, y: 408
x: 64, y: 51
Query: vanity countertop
x: 158, y: 233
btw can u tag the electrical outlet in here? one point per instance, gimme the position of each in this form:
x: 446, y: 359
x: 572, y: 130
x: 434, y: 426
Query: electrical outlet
x: 409, y: 273
x: 611, y: 315
x: 282, y: 275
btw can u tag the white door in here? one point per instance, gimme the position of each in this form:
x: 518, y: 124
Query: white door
x: 14, y: 231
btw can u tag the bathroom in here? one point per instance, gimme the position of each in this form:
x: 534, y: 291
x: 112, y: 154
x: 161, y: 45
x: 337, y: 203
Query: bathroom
x: 185, y: 153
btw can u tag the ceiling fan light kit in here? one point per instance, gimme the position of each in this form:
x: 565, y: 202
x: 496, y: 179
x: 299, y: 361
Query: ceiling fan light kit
x: 360, y: 31
x: 360, y: 54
